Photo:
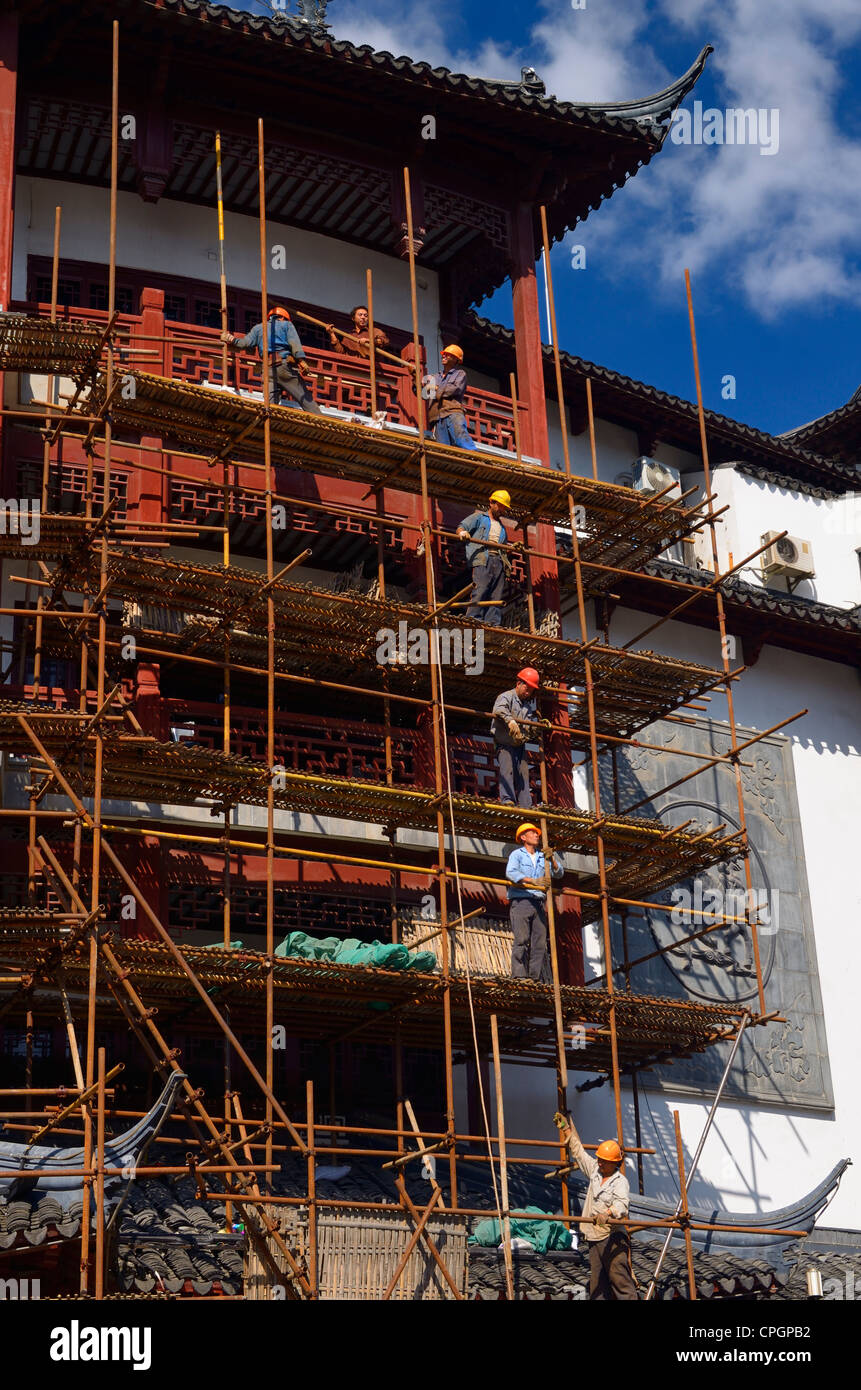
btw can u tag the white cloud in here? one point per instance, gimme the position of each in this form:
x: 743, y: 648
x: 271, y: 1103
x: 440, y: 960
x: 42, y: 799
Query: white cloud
x: 782, y: 230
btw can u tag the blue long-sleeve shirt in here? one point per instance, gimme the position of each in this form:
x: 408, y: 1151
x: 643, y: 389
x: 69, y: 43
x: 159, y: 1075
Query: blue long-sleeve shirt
x: 282, y: 338
x: 522, y: 864
x: 478, y: 526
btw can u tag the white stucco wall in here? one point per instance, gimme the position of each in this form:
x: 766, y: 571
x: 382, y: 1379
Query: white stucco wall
x: 174, y: 238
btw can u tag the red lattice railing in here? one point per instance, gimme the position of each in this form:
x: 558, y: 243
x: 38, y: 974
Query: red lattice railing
x: 191, y: 353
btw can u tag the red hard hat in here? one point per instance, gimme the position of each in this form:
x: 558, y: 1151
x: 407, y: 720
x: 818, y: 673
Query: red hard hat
x: 278, y: 313
x: 529, y: 676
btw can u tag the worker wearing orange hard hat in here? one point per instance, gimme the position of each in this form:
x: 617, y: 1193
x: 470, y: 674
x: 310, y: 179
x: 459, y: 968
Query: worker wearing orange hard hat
x: 512, y: 709
x: 529, y: 878
x: 444, y: 393
x: 489, y: 566
x: 607, y: 1198
x: 289, y: 373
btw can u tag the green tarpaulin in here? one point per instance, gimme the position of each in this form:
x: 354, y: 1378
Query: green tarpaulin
x: 384, y: 955
x: 543, y: 1235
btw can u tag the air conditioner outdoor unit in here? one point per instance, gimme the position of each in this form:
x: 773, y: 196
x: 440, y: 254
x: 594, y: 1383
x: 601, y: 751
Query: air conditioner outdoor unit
x: 652, y: 477
x: 789, y: 558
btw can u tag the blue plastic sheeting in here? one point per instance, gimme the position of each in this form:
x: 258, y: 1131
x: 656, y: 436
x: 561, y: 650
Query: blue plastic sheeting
x: 383, y: 955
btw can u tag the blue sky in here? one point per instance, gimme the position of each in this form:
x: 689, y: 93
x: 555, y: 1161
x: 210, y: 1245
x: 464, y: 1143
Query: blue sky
x: 772, y: 241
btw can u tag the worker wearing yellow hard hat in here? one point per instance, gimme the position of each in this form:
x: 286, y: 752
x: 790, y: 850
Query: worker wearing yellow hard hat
x: 607, y: 1200
x: 444, y: 392
x: 490, y: 565
x: 529, y: 876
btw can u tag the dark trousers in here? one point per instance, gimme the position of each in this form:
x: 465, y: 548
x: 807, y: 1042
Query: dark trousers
x: 285, y: 382
x: 528, y: 918
x: 513, y: 767
x: 610, y: 1274
x: 488, y: 582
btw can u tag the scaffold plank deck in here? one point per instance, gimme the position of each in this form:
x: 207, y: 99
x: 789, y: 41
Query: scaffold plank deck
x: 322, y: 634
x: 322, y: 1000
x: 616, y: 521
x: 139, y: 768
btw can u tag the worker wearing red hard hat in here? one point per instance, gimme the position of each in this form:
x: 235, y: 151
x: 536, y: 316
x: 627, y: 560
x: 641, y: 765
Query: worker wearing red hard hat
x: 288, y: 371
x: 510, y: 710
x: 607, y: 1197
x: 529, y: 878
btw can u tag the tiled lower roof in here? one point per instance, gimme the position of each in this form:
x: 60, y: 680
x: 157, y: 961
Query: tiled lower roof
x: 171, y: 1243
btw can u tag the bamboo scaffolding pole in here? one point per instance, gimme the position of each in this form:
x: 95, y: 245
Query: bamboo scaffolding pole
x: 441, y: 774
x: 593, y: 738
x: 503, y: 1159
x: 683, y: 1213
x: 270, y: 647
x: 722, y: 627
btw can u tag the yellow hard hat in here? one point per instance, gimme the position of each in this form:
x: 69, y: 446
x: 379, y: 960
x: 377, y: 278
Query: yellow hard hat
x: 453, y: 351
x: 501, y: 496
x: 527, y: 825
x: 610, y: 1151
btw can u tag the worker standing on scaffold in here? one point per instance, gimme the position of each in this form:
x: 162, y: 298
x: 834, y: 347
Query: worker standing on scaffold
x: 488, y: 566
x: 444, y: 393
x: 529, y: 878
x: 607, y: 1197
x: 288, y: 370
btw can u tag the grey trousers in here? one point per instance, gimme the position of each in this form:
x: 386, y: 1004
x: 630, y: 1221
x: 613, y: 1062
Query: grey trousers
x: 284, y: 381
x: 528, y: 918
x: 513, y: 767
x: 488, y: 582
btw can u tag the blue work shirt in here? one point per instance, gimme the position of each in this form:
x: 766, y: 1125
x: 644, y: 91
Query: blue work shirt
x: 478, y: 526
x: 522, y: 864
x: 282, y: 338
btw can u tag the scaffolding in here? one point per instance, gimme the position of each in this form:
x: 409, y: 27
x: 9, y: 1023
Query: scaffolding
x: 227, y: 621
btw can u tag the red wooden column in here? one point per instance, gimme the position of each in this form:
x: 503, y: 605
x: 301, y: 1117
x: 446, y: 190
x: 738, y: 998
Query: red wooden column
x: 8, y: 95
x: 8, y: 90
x: 535, y: 441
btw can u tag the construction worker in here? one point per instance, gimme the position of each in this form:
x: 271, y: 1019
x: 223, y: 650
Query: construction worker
x: 488, y: 567
x: 509, y: 736
x: 357, y: 343
x: 288, y: 370
x: 528, y: 884
x: 444, y: 392
x: 607, y: 1198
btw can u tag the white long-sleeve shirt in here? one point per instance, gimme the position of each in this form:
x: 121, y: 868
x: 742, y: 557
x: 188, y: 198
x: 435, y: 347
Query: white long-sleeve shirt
x: 602, y: 1194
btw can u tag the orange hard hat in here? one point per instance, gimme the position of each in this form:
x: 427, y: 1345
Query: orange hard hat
x: 278, y: 312
x: 610, y: 1151
x: 527, y: 825
x: 529, y: 676
x: 453, y: 351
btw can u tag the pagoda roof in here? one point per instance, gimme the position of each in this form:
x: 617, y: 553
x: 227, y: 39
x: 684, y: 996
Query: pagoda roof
x: 838, y: 433
x: 336, y: 147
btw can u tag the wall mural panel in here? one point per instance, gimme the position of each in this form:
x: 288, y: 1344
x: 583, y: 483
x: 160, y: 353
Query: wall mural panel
x: 782, y: 1064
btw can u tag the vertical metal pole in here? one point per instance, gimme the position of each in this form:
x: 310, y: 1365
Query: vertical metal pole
x: 100, y: 1180
x: 721, y: 616
x: 270, y: 661
x: 503, y: 1159
x: 40, y: 600
x: 701, y: 1145
x: 313, y: 1270
x: 95, y: 868
x: 590, y: 705
x: 683, y: 1200
x: 440, y: 784
x: 221, y: 275
x: 372, y: 346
